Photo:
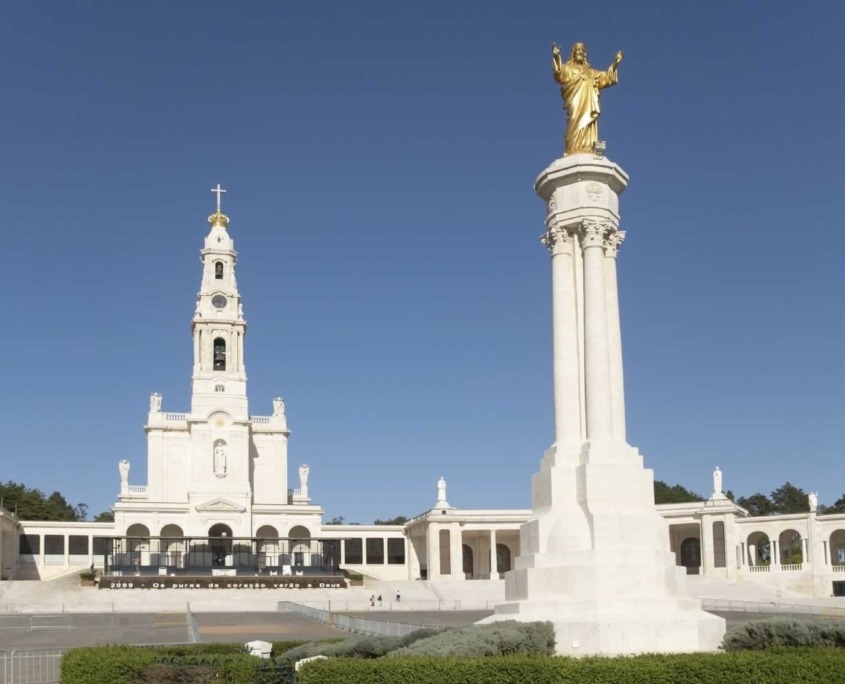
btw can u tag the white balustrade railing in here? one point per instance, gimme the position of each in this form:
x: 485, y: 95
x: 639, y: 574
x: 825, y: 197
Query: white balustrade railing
x: 791, y: 567
x: 175, y: 417
x: 838, y: 568
x: 758, y: 568
x: 138, y: 490
x: 353, y: 624
x: 260, y: 420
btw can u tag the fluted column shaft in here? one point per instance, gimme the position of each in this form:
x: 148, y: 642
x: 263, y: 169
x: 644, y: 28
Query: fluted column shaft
x: 614, y: 334
x: 596, y: 352
x: 567, y: 408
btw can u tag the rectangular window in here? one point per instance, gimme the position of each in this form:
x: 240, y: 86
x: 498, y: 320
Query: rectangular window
x: 77, y: 545
x: 54, y: 545
x: 30, y: 544
x: 331, y: 553
x: 354, y: 551
x: 375, y: 551
x: 102, y: 545
x: 839, y: 588
x: 719, y: 545
x: 396, y: 552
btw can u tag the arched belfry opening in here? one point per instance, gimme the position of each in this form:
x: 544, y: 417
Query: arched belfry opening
x: 218, y: 270
x: 219, y: 354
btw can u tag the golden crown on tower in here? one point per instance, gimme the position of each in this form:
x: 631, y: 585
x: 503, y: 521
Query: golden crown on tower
x: 218, y: 218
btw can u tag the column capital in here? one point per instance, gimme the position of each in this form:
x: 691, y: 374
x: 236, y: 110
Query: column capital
x: 558, y: 240
x: 612, y: 242
x: 593, y: 233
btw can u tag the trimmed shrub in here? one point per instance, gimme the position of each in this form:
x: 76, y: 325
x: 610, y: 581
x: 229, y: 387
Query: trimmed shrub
x: 354, y: 647
x: 138, y: 665
x: 769, y: 667
x: 498, y: 638
x: 105, y: 664
x: 765, y: 634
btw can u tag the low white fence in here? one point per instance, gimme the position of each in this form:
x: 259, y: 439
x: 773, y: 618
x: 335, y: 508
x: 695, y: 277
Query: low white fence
x: 31, y: 666
x: 363, y: 605
x: 353, y: 624
x: 791, y: 609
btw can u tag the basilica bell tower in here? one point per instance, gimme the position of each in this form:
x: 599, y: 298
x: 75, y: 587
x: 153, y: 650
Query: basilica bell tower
x: 218, y: 327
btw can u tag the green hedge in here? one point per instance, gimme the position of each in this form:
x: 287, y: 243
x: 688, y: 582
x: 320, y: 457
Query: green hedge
x: 764, y: 634
x: 792, y: 666
x: 499, y: 638
x: 131, y: 664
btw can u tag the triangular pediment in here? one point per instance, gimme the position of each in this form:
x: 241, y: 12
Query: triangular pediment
x: 220, y: 505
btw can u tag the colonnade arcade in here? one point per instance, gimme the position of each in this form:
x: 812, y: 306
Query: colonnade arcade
x: 459, y: 545
x: 174, y: 553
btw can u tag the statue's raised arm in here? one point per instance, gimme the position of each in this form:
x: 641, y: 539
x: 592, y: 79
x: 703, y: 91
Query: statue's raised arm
x: 580, y: 86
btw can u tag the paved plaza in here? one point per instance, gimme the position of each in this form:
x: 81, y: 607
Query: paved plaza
x: 171, y: 628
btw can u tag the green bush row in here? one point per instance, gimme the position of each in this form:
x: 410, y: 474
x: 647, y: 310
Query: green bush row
x: 764, y: 634
x: 132, y: 664
x: 792, y: 666
x: 499, y: 638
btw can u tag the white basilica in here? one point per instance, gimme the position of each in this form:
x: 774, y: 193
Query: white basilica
x: 215, y: 470
x: 217, y: 499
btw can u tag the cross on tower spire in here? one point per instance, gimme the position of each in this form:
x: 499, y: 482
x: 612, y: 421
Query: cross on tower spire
x: 218, y: 190
x: 218, y: 218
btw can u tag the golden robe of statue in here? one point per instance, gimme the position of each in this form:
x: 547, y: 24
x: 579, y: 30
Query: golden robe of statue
x: 580, y: 92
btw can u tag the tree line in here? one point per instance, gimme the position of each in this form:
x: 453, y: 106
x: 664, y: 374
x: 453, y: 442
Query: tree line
x: 28, y: 503
x: 785, y: 499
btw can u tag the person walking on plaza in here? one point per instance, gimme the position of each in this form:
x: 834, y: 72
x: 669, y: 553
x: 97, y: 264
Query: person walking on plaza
x: 398, y: 596
x: 372, y: 601
x: 379, y: 600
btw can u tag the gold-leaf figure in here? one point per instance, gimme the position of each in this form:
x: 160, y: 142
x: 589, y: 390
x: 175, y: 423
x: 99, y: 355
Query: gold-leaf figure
x: 580, y: 85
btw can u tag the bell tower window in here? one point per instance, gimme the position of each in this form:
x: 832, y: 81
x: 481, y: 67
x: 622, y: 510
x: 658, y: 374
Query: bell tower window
x: 218, y: 270
x: 219, y: 354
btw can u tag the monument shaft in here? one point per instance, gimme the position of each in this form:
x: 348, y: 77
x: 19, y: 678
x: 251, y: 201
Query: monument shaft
x: 594, y: 556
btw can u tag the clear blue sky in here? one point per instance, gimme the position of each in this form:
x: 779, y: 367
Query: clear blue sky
x: 379, y: 160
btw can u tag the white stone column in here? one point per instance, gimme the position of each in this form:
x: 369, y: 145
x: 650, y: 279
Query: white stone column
x: 413, y: 559
x: 456, y: 552
x: 565, y: 361
x: 596, y: 352
x: 614, y: 333
x: 433, y: 551
x: 493, y: 573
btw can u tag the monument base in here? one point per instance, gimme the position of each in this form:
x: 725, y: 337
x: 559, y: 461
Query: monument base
x: 621, y: 627
x: 595, y: 560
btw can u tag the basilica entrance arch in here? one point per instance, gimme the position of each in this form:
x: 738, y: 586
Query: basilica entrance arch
x: 300, y: 543
x: 172, y: 546
x: 220, y: 538
x: 268, y: 546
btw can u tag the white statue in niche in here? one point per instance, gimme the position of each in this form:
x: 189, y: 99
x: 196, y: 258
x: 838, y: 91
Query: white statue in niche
x: 278, y: 407
x: 303, y: 477
x: 220, y: 459
x: 155, y: 402
x: 123, y: 467
x: 717, y: 481
x: 813, y: 498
